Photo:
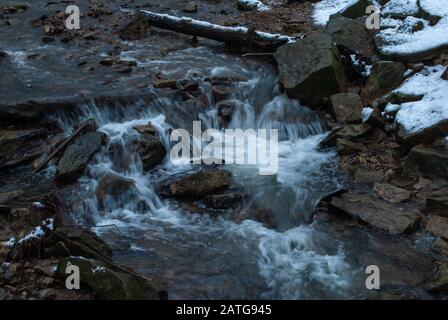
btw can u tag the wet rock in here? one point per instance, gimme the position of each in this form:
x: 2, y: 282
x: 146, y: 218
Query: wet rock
x: 439, y: 281
x: 165, y: 83
x: 345, y: 147
x: 438, y: 226
x: 109, y: 283
x: 77, y: 155
x: 395, y: 219
x: 20, y: 146
x: 391, y: 193
x: 357, y: 9
x: 151, y: 150
x: 344, y: 104
x: 427, y: 160
x: 352, y: 34
x: 354, y: 131
x: 311, y: 68
x: 384, y: 77
x: 112, y: 184
x: 200, y: 183
x: 222, y: 92
x: 137, y: 29
x: 223, y: 201
x: 190, y: 7
x: 72, y: 241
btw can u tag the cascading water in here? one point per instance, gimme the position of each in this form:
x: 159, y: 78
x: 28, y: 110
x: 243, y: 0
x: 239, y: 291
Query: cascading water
x: 204, y: 255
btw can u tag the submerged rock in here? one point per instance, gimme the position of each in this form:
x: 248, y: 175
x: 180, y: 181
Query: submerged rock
x: 109, y: 283
x: 395, y: 219
x: 311, y: 68
x: 77, y: 155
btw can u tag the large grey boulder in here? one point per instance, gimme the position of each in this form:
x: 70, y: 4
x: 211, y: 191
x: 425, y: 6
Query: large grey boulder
x: 384, y: 77
x: 393, y: 218
x: 344, y: 104
x: 311, y: 68
x: 77, y: 155
x: 424, y: 136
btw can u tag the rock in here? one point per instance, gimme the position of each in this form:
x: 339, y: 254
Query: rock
x: 391, y: 193
x: 247, y: 5
x: 200, y: 183
x: 226, y: 108
x: 357, y: 9
x: 7, y: 196
x: 77, y: 155
x: 64, y: 240
x: 165, y: 83
x: 151, y: 150
x: 375, y: 118
x: 20, y: 146
x: 426, y: 136
x: 222, y: 92
x: 137, y: 29
x: 437, y: 202
x: 112, y: 184
x: 439, y: 281
x: 311, y: 68
x: 427, y: 160
x: 346, y: 147
x: 438, y: 226
x: 344, y: 104
x: 108, y: 283
x: 223, y: 201
x: 384, y: 77
x: 47, y: 294
x: 190, y: 7
x: 352, y: 34
x: 445, y: 75
x: 354, y: 131
x: 395, y: 219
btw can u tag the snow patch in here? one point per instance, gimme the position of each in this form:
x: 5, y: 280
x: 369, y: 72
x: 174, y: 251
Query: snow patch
x: 366, y: 113
x: 324, y: 9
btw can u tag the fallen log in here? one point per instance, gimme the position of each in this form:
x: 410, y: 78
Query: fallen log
x: 238, y: 36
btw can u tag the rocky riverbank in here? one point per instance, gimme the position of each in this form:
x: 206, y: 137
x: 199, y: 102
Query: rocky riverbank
x: 393, y: 165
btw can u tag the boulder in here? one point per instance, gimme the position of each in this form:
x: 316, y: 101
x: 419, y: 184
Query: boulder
x: 395, y: 219
x: 151, y: 150
x: 223, y: 201
x: 439, y: 281
x: 384, y: 77
x: 357, y: 9
x: 71, y: 241
x: 112, y: 184
x: 108, y: 283
x: 438, y: 226
x: 77, y: 155
x: 425, y: 136
x: 311, y: 68
x: 200, y: 183
x: 427, y: 160
x: 352, y: 34
x: 137, y: 29
x: 344, y: 104
x: 391, y: 193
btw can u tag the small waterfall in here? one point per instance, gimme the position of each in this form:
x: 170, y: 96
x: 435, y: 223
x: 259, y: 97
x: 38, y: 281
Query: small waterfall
x: 294, y: 261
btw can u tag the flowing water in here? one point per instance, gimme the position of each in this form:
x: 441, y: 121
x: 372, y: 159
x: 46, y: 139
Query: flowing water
x: 197, y: 255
